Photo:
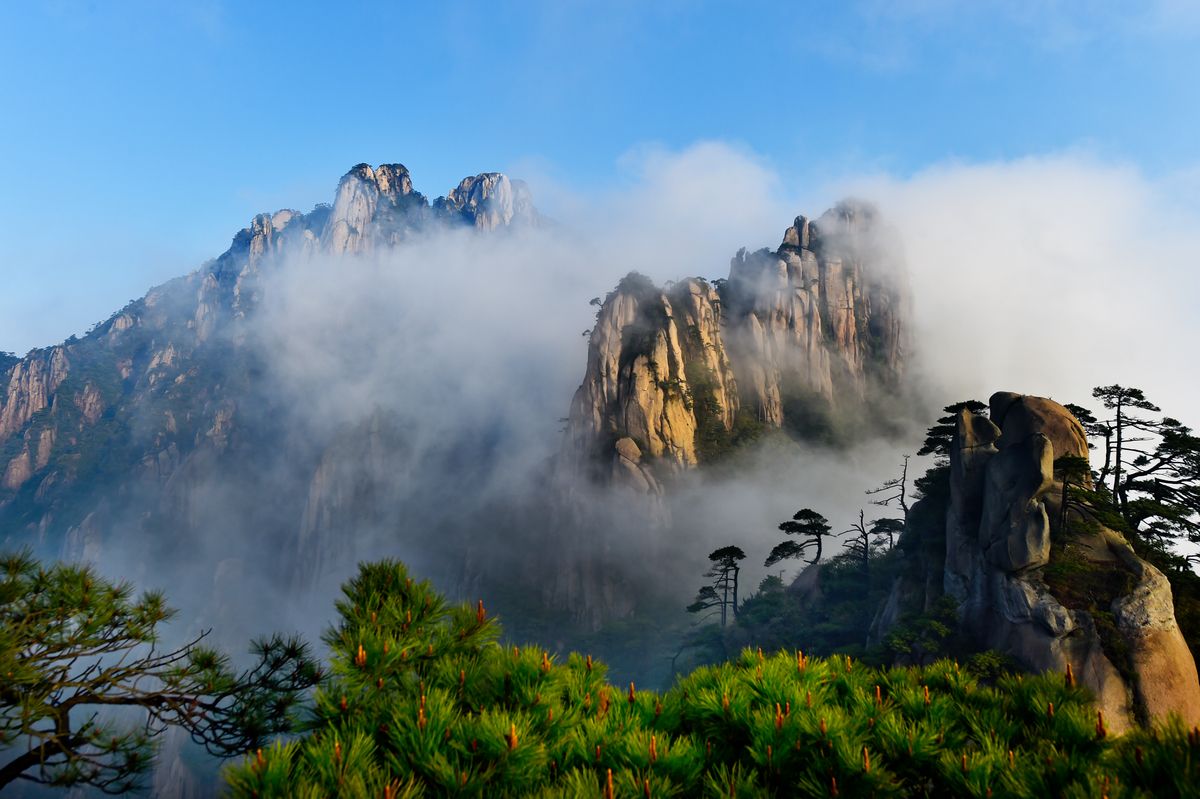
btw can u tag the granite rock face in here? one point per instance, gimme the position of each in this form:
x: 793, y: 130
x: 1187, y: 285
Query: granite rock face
x: 1015, y: 530
x: 647, y: 357
x: 997, y: 544
x: 676, y: 375
x: 371, y: 209
x: 143, y: 409
x: 489, y: 201
x: 824, y: 315
x: 817, y: 326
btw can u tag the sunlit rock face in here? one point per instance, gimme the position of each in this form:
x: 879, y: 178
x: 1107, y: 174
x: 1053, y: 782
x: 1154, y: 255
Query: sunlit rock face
x: 811, y: 338
x: 812, y: 331
x: 826, y: 314
x: 647, y: 357
x: 488, y: 201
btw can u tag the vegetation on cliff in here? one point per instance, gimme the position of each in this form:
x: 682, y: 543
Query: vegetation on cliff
x: 1145, y: 490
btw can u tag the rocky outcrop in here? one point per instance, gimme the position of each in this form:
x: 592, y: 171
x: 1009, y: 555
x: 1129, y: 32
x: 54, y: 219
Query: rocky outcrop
x: 805, y: 338
x: 824, y: 315
x: 31, y: 386
x: 373, y: 207
x: 999, y: 554
x: 812, y: 331
x: 19, y: 470
x: 657, y: 371
x: 158, y: 388
x: 488, y: 201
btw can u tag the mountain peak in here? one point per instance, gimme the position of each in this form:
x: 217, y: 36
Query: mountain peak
x: 365, y: 195
x: 489, y: 200
x: 390, y: 180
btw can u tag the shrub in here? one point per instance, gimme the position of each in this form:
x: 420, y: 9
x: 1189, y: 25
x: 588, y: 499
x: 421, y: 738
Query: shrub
x: 421, y: 700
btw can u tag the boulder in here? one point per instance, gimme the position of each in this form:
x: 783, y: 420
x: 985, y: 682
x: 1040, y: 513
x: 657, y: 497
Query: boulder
x: 1020, y: 416
x: 1166, y: 679
x: 997, y: 539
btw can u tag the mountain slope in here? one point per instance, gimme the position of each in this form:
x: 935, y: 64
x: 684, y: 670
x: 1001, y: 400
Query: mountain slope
x: 120, y: 428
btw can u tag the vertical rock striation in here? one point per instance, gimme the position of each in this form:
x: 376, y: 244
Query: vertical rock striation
x: 814, y: 330
x: 808, y: 338
x: 489, y: 201
x: 821, y: 318
x: 654, y: 358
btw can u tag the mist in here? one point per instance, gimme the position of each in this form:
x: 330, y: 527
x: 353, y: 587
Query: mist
x: 1049, y: 276
x: 1046, y: 276
x: 409, y: 403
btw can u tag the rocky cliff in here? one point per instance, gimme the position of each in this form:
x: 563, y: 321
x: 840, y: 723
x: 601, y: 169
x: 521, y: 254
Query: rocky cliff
x: 120, y: 428
x: 157, y: 444
x: 1048, y: 595
x: 803, y: 338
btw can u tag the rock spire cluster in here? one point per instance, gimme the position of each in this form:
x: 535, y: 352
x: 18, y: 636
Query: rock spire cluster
x: 816, y: 329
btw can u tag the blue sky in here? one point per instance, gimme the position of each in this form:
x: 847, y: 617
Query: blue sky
x: 137, y: 137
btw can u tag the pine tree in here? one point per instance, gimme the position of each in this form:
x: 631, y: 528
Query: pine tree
x: 73, y: 646
x: 722, y: 593
x: 808, y: 525
x: 939, y: 436
x: 422, y: 701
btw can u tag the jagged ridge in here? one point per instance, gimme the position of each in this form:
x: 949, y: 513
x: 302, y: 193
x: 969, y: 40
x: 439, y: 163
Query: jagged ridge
x: 132, y: 407
x: 817, y: 325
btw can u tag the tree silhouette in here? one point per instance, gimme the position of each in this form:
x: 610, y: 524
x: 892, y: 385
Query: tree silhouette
x: 1160, y: 495
x: 1071, y: 470
x: 722, y: 593
x: 1149, y: 484
x: 886, y: 528
x: 1091, y: 425
x: 1122, y: 401
x: 894, y: 490
x: 859, y: 547
x: 939, y: 436
x: 808, y: 525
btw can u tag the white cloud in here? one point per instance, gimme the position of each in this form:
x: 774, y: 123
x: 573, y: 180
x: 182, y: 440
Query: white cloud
x: 1050, y: 275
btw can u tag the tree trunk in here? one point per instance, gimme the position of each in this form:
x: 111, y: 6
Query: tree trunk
x: 735, y: 591
x: 1062, y: 523
x: 1117, y: 493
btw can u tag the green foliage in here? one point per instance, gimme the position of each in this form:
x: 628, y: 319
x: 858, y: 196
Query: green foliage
x: 924, y: 637
x: 989, y: 666
x: 829, y: 610
x: 421, y: 701
x: 1082, y: 584
x: 713, y: 441
x: 1148, y: 489
x: 637, y: 284
x: 1151, y: 466
x: 73, y: 644
x: 811, y: 416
